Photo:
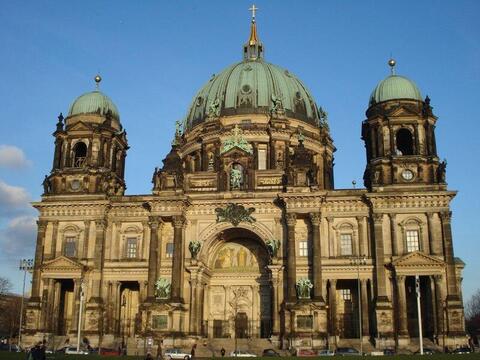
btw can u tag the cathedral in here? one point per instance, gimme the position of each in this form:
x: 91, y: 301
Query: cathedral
x: 244, y: 234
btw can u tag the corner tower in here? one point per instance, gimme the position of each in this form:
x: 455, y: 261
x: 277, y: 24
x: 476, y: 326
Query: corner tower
x: 399, y: 135
x: 90, y: 148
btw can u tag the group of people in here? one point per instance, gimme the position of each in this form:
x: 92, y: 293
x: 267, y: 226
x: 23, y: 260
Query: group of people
x: 38, y: 351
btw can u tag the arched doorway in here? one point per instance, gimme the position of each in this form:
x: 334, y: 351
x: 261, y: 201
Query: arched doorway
x: 238, y: 303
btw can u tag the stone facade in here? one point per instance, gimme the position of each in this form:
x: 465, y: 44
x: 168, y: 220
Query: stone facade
x: 244, y: 234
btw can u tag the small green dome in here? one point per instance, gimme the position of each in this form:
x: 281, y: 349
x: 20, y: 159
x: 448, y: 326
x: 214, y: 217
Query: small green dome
x: 395, y: 87
x: 94, y: 102
x: 252, y: 87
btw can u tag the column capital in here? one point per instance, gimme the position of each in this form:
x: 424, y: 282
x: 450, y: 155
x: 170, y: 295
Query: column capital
x: 333, y: 282
x: 446, y: 216
x: 430, y: 215
x: 392, y: 216
x: 101, y: 224
x: 437, y: 278
x: 360, y: 218
x: 154, y: 222
x: 400, y: 279
x: 178, y: 221
x: 42, y: 225
x: 330, y: 219
x: 315, y: 218
x: 291, y: 219
x: 364, y: 281
x: 377, y: 218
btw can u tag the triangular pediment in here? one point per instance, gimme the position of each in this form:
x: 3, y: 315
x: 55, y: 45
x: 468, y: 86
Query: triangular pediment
x: 236, y: 152
x: 62, y: 263
x: 80, y: 126
x: 417, y: 258
x: 403, y: 110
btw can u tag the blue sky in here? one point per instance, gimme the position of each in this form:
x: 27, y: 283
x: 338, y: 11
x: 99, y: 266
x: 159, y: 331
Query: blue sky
x: 153, y: 57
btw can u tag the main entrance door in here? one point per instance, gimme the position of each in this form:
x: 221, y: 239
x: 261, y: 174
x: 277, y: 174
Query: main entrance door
x: 241, y: 326
x: 239, y: 293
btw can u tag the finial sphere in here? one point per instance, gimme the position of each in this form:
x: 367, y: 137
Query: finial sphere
x: 98, y: 78
x: 392, y: 62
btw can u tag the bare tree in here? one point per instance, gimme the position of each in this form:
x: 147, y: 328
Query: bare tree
x: 472, y: 314
x: 5, y: 286
x: 10, y: 307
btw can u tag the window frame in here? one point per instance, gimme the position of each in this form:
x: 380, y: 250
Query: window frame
x: 128, y: 240
x: 169, y: 255
x: 70, y: 240
x: 343, y: 246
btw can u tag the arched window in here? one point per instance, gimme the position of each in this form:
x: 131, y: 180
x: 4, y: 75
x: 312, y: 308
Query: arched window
x: 79, y: 154
x: 412, y: 234
x: 404, y: 141
x: 71, y: 235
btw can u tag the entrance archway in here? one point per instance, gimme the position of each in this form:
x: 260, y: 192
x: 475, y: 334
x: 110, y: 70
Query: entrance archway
x: 238, y: 303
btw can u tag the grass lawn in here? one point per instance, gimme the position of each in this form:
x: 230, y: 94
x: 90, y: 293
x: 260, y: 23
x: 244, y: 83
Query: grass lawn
x: 21, y: 356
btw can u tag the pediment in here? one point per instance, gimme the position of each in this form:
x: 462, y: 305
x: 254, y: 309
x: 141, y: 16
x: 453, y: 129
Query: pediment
x: 62, y: 263
x: 403, y: 111
x: 80, y: 126
x: 236, y: 152
x: 417, y: 258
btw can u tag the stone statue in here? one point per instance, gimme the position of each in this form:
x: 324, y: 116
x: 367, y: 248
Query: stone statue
x: 441, y: 171
x: 194, y: 247
x: 277, y: 107
x: 303, y: 288
x: 162, y: 288
x: 47, y: 188
x: 235, y: 179
x: 273, y: 246
x: 323, y: 117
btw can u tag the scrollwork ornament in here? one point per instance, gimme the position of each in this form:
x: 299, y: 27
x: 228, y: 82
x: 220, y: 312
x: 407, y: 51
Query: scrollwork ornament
x: 235, y: 214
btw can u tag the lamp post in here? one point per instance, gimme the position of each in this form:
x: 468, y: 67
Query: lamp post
x: 328, y: 325
x: 124, y: 305
x: 359, y: 260
x: 444, y: 318
x: 419, y: 310
x: 79, y: 327
x: 26, y: 265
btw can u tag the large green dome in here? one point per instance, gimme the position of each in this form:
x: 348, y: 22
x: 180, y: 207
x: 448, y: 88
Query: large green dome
x: 250, y: 87
x: 395, y: 87
x: 94, y: 102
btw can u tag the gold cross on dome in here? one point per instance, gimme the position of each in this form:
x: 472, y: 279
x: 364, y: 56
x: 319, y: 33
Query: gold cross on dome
x: 253, y: 9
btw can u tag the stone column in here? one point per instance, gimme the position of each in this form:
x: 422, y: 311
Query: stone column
x: 361, y: 240
x: 365, y: 312
x: 452, y: 290
x: 50, y: 309
x: 56, y: 305
x: 402, y: 307
x: 381, y: 294
x: 154, y: 222
x: 178, y: 256
x: 332, y: 299
x: 434, y: 312
x: 86, y: 238
x: 193, y: 305
x: 53, y: 243
x: 291, y: 257
x: 440, y: 298
x: 100, y: 225
x: 393, y: 234
x: 315, y: 218
x: 435, y: 246
x: 39, y: 248
x: 76, y: 301
x: 331, y: 240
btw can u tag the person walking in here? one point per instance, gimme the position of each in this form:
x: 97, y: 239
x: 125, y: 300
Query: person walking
x: 192, y: 352
x: 222, y: 352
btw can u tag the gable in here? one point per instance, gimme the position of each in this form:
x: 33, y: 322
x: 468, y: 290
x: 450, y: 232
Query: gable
x: 80, y: 126
x: 417, y: 259
x: 62, y: 264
